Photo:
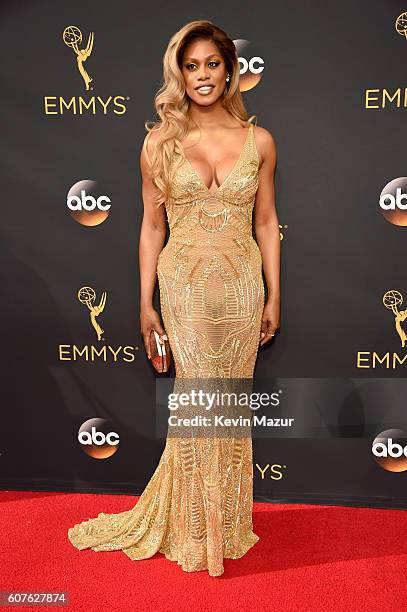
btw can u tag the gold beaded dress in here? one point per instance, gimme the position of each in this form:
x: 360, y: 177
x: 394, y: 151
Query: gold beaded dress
x: 197, y: 507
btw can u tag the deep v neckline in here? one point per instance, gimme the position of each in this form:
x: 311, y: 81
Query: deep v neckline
x: 236, y: 164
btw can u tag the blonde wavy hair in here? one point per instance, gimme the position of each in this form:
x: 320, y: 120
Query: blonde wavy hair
x: 172, y: 103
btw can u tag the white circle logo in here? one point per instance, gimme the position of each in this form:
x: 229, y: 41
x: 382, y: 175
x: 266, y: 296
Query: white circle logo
x: 86, y: 205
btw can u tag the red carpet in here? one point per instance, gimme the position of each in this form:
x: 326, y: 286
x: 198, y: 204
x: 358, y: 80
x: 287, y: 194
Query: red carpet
x: 308, y: 558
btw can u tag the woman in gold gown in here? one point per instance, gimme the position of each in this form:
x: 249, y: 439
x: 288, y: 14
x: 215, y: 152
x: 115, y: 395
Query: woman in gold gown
x: 197, y: 506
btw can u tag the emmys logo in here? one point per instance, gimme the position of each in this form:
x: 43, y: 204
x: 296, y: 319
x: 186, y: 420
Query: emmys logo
x: 282, y: 227
x: 251, y: 64
x: 87, y: 295
x: 72, y: 37
x: 275, y: 471
x: 393, y: 201
x: 68, y: 352
x: 97, y: 439
x: 391, y: 300
x: 77, y: 105
x: 401, y: 25
x: 381, y: 97
x: 371, y: 359
x: 389, y: 450
x: 85, y: 205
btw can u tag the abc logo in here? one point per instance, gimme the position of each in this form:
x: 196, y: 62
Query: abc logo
x: 393, y: 201
x: 86, y: 205
x: 97, y: 439
x: 251, y: 64
x: 390, y: 450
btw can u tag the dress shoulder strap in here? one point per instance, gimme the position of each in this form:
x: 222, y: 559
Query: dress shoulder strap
x: 253, y: 146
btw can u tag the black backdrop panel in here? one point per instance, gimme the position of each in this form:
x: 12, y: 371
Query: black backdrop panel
x: 332, y: 93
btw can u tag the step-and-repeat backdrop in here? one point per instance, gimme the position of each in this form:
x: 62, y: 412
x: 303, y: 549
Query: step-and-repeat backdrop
x: 329, y: 81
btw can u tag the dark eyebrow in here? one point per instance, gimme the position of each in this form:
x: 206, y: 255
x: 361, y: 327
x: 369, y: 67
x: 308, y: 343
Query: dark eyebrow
x: 194, y: 58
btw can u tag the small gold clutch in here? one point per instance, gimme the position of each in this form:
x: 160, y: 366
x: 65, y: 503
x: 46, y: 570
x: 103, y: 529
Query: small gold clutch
x: 160, y: 353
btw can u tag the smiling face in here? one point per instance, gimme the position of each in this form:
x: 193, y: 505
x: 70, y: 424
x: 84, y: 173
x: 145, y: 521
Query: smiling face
x: 204, y: 72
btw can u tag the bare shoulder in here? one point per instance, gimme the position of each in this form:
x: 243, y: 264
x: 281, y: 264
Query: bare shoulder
x: 150, y: 141
x: 265, y: 143
x: 147, y: 149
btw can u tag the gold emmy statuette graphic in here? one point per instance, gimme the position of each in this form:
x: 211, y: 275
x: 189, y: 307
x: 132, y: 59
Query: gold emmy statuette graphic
x: 87, y: 295
x: 401, y: 24
x: 391, y: 300
x: 72, y: 37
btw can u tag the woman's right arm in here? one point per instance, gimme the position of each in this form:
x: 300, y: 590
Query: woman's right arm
x: 152, y: 238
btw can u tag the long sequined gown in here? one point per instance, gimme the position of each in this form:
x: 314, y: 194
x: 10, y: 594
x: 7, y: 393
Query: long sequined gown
x: 197, y: 506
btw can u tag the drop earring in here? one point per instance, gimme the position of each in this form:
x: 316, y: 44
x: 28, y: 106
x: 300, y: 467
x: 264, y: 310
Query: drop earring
x: 226, y: 86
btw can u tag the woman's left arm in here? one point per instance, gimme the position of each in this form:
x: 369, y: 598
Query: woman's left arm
x: 267, y: 232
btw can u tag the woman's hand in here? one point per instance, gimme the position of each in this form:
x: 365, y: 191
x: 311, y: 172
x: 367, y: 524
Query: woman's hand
x: 270, y: 320
x: 149, y: 320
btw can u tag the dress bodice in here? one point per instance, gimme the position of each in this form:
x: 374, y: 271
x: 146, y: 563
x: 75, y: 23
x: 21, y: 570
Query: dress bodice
x: 197, y: 215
